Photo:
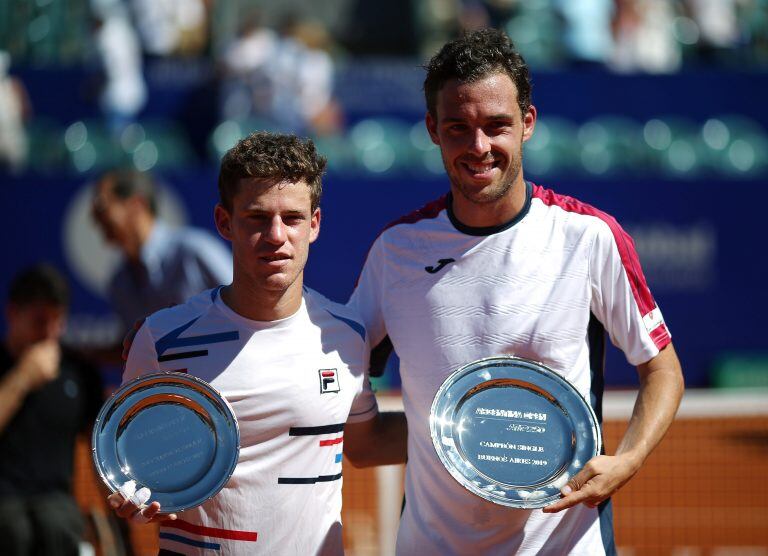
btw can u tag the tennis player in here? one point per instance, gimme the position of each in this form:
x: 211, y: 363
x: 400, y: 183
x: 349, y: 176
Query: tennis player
x: 290, y: 362
x: 500, y: 265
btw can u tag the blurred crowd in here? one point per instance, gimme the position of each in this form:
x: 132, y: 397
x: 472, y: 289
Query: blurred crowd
x: 625, y: 35
x: 276, y: 66
x: 652, y: 36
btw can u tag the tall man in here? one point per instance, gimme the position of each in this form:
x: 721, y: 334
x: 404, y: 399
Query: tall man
x: 161, y: 266
x: 47, y: 398
x: 290, y: 362
x: 502, y: 266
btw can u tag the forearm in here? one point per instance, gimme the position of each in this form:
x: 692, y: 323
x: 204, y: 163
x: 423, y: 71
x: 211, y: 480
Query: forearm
x: 381, y: 441
x: 661, y: 388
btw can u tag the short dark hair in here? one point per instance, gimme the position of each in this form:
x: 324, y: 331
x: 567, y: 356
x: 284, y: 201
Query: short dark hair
x: 40, y: 283
x: 271, y: 157
x: 125, y: 183
x: 474, y: 56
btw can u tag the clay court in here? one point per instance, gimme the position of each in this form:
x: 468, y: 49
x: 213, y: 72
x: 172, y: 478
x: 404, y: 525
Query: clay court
x: 701, y: 493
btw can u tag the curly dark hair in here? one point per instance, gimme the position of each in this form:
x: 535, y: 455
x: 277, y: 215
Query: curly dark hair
x: 474, y: 56
x: 271, y: 157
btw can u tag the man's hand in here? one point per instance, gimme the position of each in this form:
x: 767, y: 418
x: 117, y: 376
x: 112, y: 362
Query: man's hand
x: 130, y: 503
x: 600, y: 478
x: 39, y: 365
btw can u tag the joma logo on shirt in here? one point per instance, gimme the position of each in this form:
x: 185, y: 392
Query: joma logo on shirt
x: 439, y: 266
x: 329, y: 381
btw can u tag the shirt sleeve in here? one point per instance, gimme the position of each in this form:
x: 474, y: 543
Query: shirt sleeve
x: 621, y: 299
x: 366, y: 298
x: 364, y: 405
x: 142, y: 356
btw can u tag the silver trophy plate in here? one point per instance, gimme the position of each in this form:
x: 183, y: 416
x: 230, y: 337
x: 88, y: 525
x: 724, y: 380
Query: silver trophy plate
x: 170, y: 432
x: 512, y: 431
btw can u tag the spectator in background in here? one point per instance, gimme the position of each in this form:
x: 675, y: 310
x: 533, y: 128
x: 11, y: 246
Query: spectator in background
x: 171, y: 27
x: 716, y: 25
x: 14, y: 110
x: 644, y: 39
x: 47, y: 397
x: 162, y: 266
x: 284, y: 79
x: 588, y: 34
x: 311, y: 50
x: 248, y: 85
x: 123, y: 91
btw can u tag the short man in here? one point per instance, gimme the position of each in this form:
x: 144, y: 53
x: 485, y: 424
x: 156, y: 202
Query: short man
x: 162, y: 266
x: 47, y: 398
x: 503, y: 266
x: 290, y: 362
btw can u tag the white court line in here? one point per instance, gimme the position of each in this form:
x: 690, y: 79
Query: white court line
x: 696, y: 404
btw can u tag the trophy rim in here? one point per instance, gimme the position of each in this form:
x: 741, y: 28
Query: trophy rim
x: 501, y: 494
x: 225, y: 424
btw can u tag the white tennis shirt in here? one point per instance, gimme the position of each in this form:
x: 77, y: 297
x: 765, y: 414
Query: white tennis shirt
x: 292, y: 383
x: 544, y: 286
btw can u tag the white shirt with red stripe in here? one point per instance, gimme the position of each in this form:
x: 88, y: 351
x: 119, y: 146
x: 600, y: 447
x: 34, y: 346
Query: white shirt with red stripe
x: 543, y: 287
x: 292, y: 383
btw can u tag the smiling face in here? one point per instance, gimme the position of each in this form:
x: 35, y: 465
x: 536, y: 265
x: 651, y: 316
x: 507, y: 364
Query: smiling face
x: 270, y: 227
x: 480, y: 131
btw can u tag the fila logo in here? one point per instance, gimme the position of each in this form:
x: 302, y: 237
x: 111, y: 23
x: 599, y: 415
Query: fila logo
x: 329, y: 381
x: 440, y: 265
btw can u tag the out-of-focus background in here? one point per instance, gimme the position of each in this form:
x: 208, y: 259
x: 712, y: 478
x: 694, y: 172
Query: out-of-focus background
x: 653, y: 110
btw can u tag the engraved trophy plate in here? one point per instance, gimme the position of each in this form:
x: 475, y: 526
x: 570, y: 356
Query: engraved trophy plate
x: 512, y: 431
x: 170, y: 432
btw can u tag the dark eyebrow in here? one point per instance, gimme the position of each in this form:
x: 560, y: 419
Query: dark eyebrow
x: 501, y: 117
x: 494, y: 117
x: 259, y: 210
